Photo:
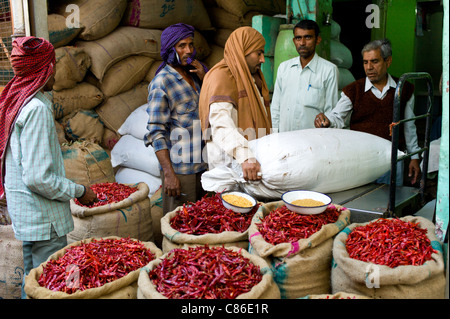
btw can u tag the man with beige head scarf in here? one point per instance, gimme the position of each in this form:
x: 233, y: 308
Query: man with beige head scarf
x: 234, y: 103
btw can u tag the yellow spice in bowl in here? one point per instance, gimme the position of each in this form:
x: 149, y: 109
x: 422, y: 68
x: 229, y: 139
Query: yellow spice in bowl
x: 237, y: 200
x: 307, y: 202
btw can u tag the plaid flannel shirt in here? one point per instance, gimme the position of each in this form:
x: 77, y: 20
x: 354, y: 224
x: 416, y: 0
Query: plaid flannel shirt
x: 174, y: 122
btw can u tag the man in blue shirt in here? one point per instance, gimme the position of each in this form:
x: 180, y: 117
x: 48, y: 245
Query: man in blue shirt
x: 174, y: 128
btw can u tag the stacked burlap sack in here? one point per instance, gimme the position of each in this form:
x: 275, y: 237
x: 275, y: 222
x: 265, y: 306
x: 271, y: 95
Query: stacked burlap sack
x: 353, y: 276
x: 122, y: 288
x: 303, y: 267
x: 87, y: 163
x: 11, y: 261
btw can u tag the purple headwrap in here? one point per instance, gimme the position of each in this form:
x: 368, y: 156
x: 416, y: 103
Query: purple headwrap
x: 171, y: 36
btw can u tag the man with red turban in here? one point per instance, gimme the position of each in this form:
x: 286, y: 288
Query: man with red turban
x: 32, y: 168
x: 173, y: 126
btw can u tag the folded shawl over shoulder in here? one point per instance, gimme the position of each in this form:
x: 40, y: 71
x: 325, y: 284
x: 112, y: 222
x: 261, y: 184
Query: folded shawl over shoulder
x: 32, y: 60
x: 230, y: 81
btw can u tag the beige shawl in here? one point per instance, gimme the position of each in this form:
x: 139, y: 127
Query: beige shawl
x: 230, y: 81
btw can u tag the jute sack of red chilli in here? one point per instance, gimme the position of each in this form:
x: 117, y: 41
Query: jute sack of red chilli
x: 205, y: 222
x: 338, y: 295
x: 93, y: 268
x: 129, y: 217
x: 397, y: 258
x: 11, y: 262
x: 301, y: 267
x: 207, y: 272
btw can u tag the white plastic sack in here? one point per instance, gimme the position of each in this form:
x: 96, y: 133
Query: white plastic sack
x: 131, y: 152
x: 324, y: 160
x: 136, y: 123
x: 127, y: 175
x: 433, y: 157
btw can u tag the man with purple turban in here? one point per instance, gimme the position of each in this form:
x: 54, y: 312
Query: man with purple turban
x: 174, y: 129
x: 32, y: 168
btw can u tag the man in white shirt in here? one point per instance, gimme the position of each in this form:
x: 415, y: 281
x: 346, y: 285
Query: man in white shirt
x: 305, y: 86
x: 367, y: 106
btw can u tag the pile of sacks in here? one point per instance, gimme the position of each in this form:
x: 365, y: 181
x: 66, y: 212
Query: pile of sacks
x: 107, y: 58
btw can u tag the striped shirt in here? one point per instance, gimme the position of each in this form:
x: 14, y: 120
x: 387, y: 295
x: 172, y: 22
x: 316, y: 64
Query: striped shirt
x: 37, y: 191
x: 173, y: 122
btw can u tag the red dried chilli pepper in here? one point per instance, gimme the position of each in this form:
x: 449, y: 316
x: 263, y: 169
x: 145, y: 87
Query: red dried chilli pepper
x: 94, y: 264
x: 208, y: 215
x: 390, y: 242
x: 108, y: 193
x: 285, y: 226
x: 205, y: 273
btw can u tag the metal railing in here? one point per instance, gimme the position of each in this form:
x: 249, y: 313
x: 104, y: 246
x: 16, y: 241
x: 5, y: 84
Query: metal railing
x: 395, y: 136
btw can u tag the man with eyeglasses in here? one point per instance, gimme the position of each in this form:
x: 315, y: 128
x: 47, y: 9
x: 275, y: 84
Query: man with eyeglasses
x: 367, y: 105
x: 305, y: 86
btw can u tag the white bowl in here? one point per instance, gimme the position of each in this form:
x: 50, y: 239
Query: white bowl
x: 291, y: 196
x: 238, y: 209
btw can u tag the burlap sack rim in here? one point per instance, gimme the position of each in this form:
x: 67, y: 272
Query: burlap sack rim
x: 148, y: 290
x: 139, y: 195
x: 266, y: 249
x: 178, y: 237
x: 403, y: 274
x: 33, y: 289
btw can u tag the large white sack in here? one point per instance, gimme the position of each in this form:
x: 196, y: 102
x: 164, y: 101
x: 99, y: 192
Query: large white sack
x: 126, y: 175
x: 136, y: 123
x: 132, y: 152
x: 324, y: 160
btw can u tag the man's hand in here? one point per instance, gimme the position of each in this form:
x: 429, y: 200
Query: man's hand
x: 414, y: 170
x: 199, y: 70
x: 250, y: 169
x: 321, y: 121
x: 89, y: 196
x: 172, y: 185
